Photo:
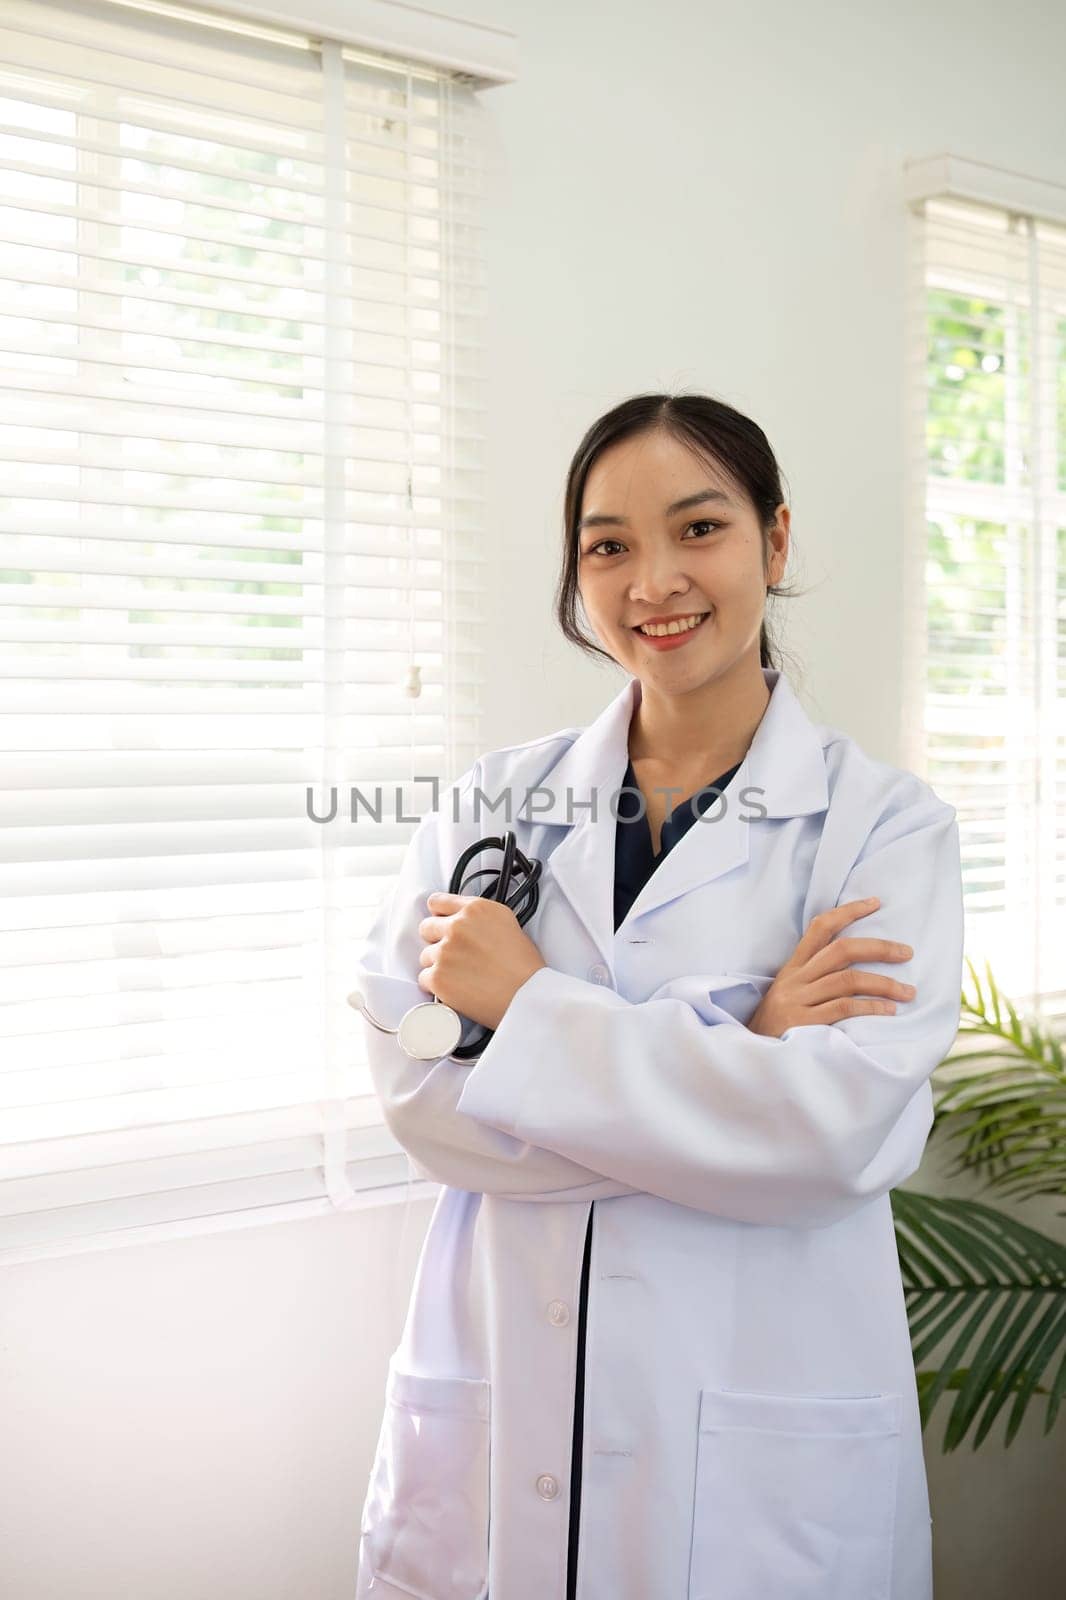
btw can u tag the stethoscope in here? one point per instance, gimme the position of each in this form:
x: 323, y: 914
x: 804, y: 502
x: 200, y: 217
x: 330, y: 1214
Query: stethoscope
x: 432, y: 1029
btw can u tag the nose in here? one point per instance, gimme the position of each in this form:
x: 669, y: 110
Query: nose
x: 658, y: 576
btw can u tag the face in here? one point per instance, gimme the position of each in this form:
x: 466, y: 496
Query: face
x: 644, y: 555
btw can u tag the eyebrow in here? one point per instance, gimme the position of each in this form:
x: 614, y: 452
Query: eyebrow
x: 595, y: 520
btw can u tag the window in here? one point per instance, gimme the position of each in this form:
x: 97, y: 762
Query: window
x: 242, y: 292
x: 988, y: 551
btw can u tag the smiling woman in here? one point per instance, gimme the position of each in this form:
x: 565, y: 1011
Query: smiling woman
x: 677, y: 1148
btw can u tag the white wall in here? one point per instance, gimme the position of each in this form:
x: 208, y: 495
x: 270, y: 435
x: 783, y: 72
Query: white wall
x: 692, y: 196
x: 708, y: 195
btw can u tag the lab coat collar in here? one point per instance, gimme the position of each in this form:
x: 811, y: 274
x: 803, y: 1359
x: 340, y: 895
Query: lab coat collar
x: 781, y: 775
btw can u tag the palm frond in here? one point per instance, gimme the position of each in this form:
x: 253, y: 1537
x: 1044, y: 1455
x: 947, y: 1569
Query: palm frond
x: 1004, y: 1107
x: 995, y: 1290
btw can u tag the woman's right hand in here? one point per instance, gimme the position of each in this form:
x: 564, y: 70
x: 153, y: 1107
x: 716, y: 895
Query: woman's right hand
x: 818, y: 983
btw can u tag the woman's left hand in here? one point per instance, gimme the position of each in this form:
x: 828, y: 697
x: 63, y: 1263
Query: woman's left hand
x: 477, y: 955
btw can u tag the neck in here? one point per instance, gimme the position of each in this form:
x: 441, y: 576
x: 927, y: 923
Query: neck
x: 713, y: 724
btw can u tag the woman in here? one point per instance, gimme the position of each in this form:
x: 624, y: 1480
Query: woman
x: 657, y: 1343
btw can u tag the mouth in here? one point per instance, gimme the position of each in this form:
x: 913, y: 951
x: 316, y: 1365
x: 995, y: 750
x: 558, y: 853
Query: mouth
x: 667, y: 636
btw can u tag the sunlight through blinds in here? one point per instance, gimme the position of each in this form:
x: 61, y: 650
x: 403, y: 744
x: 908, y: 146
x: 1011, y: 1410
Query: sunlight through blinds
x: 241, y: 515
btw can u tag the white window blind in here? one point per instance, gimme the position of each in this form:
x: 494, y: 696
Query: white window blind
x: 241, y: 434
x: 987, y: 708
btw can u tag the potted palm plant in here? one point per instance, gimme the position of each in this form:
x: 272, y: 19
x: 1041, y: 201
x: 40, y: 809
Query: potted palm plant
x: 977, y: 1280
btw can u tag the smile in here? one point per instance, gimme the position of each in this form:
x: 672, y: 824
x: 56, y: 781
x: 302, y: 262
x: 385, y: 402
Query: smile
x: 661, y: 630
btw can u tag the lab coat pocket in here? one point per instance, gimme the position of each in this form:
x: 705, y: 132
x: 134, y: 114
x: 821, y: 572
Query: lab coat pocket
x: 795, y: 1496
x: 424, y: 1530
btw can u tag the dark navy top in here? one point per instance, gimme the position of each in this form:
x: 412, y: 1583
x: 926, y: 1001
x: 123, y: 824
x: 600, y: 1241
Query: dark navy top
x: 634, y: 863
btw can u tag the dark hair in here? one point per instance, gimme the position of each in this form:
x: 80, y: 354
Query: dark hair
x: 715, y: 431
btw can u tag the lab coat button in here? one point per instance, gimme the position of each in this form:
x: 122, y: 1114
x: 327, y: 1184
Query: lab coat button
x: 559, y: 1313
x: 547, y: 1487
x: 599, y: 974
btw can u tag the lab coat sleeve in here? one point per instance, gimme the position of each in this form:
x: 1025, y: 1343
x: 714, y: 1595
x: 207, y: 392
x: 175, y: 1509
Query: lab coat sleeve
x: 418, y: 1098
x: 799, y: 1130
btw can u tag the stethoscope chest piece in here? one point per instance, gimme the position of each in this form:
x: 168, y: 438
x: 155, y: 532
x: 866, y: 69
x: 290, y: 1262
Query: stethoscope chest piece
x: 430, y: 1030
x: 426, y: 1032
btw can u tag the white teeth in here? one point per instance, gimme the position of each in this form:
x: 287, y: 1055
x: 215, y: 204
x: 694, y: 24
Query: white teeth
x: 685, y: 625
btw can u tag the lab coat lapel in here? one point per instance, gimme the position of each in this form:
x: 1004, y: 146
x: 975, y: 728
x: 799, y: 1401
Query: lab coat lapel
x: 576, y: 795
x: 782, y: 775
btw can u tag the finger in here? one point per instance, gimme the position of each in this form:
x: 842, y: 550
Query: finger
x: 827, y: 924
x: 425, y: 980
x: 849, y: 1006
x: 440, y: 900
x: 843, y: 952
x: 853, y: 981
x: 430, y: 929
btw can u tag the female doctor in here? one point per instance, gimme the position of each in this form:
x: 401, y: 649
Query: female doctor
x: 657, y: 1346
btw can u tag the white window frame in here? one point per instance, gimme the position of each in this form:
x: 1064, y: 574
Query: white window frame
x: 1025, y: 941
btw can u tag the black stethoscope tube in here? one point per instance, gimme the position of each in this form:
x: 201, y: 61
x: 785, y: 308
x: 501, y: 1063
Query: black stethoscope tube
x: 523, y: 900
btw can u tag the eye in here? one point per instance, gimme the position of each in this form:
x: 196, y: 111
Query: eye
x: 599, y: 546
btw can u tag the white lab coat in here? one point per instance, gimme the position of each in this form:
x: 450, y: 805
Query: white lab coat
x: 751, y: 1420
